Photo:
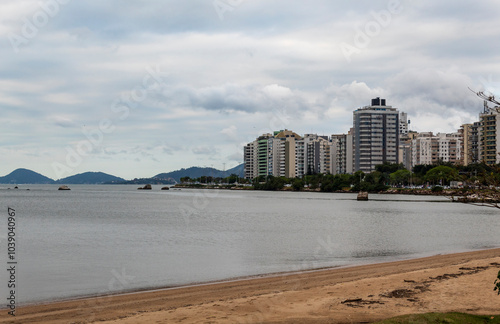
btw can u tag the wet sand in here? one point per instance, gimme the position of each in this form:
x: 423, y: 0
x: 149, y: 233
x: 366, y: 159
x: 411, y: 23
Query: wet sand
x: 460, y: 282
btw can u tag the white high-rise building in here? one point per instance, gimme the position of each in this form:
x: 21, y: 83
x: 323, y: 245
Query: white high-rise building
x: 376, y: 135
x: 429, y: 149
x: 312, y: 155
x: 403, y: 124
x: 341, y: 153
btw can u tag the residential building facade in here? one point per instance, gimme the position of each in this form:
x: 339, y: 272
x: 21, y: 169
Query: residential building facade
x: 287, y: 154
x: 427, y: 148
x: 379, y: 134
x: 376, y: 135
x: 470, y: 143
x: 489, y: 136
x: 341, y: 156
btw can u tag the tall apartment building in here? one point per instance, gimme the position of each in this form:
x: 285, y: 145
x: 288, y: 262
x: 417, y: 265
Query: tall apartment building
x: 341, y: 156
x: 256, y: 157
x: 424, y: 149
x: 489, y: 136
x: 376, y: 135
x: 404, y: 153
x: 287, y: 154
x: 405, y: 147
x: 312, y: 155
x: 271, y: 155
x: 325, y: 155
x: 249, y: 154
x: 300, y: 157
x: 470, y: 143
x: 288, y: 140
x: 276, y: 156
x: 403, y: 124
x: 449, y: 147
x: 430, y: 149
x: 262, y: 153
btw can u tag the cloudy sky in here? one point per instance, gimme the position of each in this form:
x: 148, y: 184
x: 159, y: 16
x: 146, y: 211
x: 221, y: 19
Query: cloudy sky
x: 135, y: 88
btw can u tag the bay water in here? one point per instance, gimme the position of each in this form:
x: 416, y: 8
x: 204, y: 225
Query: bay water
x: 104, y: 239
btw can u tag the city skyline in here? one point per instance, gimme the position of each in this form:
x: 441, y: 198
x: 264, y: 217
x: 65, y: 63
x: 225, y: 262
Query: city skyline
x: 140, y: 88
x: 379, y: 135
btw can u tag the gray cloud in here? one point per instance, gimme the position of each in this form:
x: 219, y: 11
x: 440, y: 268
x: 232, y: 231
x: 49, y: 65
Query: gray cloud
x: 266, y: 65
x: 205, y: 150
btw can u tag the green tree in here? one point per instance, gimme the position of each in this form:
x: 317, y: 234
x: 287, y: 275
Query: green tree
x: 231, y: 179
x: 271, y: 183
x: 442, y: 175
x: 297, y: 184
x: 400, y: 177
x: 421, y: 169
x: 388, y: 167
x: 185, y: 179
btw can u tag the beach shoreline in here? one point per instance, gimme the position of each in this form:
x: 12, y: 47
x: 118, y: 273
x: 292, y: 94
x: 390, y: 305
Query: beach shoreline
x: 304, y: 270
x: 452, y: 282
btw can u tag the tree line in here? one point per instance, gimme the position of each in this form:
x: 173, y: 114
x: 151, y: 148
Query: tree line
x: 385, y: 176
x: 389, y: 175
x: 232, y: 179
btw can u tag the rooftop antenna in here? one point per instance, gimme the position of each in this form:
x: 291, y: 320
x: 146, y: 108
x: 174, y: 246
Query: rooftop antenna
x: 487, y: 98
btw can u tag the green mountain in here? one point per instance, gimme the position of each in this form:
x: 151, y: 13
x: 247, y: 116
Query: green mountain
x: 90, y: 178
x: 196, y: 172
x: 239, y: 170
x: 24, y: 176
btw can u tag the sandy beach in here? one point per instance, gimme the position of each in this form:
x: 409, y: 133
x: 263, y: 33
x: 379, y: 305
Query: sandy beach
x: 460, y: 282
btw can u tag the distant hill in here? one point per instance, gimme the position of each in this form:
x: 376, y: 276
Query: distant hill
x: 239, y: 170
x: 90, y: 178
x: 25, y: 176
x: 196, y: 172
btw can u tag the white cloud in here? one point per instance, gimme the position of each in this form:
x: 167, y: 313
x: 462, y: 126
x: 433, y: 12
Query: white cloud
x: 230, y: 132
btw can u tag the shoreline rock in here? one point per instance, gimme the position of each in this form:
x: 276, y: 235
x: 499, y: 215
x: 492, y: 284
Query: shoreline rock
x: 362, y: 196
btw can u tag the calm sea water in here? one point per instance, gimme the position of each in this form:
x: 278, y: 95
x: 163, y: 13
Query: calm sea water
x: 109, y: 239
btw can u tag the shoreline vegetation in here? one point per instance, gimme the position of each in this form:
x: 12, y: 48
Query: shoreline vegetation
x: 460, y: 282
x: 485, y: 196
x: 475, y: 183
